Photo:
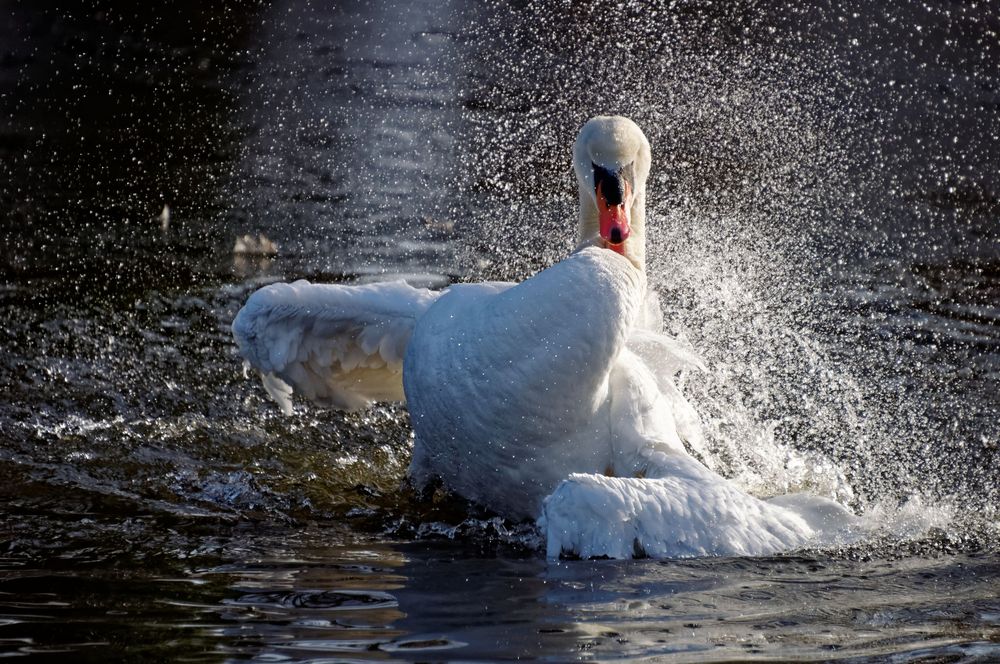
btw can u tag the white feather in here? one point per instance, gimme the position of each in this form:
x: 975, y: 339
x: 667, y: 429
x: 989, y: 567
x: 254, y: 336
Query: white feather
x: 337, y: 345
x: 690, y: 511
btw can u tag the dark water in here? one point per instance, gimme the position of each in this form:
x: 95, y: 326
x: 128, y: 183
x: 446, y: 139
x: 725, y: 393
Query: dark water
x: 825, y: 206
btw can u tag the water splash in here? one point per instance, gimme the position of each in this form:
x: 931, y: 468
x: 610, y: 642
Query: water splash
x: 814, y: 238
x: 765, y: 191
x: 825, y: 213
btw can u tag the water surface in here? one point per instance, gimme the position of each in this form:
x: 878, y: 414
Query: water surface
x: 824, y: 210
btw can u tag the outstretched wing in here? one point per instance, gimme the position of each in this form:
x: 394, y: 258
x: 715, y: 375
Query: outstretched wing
x: 339, y: 346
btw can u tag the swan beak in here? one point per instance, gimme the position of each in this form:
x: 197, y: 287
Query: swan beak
x: 614, y: 202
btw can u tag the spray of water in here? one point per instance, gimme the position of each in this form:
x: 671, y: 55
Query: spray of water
x: 765, y: 191
x: 815, y: 236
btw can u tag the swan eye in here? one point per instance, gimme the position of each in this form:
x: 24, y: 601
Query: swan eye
x: 628, y: 173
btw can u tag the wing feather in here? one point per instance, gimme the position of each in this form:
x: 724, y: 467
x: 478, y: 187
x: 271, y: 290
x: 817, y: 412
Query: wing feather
x: 688, y: 512
x: 339, y: 346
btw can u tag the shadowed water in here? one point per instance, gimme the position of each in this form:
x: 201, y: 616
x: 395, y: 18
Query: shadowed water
x: 824, y: 208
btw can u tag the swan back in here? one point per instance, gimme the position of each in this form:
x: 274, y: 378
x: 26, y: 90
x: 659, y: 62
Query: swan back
x: 507, y: 386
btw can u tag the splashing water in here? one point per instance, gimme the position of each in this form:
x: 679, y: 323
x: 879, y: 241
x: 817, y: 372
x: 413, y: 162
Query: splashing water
x: 768, y: 170
x: 823, y: 211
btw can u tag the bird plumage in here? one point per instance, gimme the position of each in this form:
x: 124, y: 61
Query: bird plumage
x: 552, y: 399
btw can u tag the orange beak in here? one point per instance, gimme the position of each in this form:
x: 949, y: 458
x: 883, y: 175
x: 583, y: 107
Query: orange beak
x: 614, y: 200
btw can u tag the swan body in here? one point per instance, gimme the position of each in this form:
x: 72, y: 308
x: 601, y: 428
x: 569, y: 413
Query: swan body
x: 516, y: 396
x: 552, y: 399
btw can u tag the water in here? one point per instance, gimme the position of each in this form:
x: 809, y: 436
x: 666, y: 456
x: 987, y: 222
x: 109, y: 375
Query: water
x: 824, y: 204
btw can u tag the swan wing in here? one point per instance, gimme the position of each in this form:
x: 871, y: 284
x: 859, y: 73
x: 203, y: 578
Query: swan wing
x: 689, y: 512
x: 339, y: 346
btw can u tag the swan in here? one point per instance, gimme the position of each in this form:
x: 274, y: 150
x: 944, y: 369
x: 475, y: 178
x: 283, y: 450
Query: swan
x: 552, y: 399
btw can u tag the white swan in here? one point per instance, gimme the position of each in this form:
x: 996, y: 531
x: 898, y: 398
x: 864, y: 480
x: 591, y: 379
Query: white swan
x: 550, y: 399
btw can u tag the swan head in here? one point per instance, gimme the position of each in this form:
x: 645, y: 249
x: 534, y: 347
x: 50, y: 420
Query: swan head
x: 611, y: 158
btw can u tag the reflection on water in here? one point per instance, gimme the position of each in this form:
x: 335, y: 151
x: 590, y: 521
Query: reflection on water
x: 276, y: 595
x: 352, y: 167
x: 824, y: 233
